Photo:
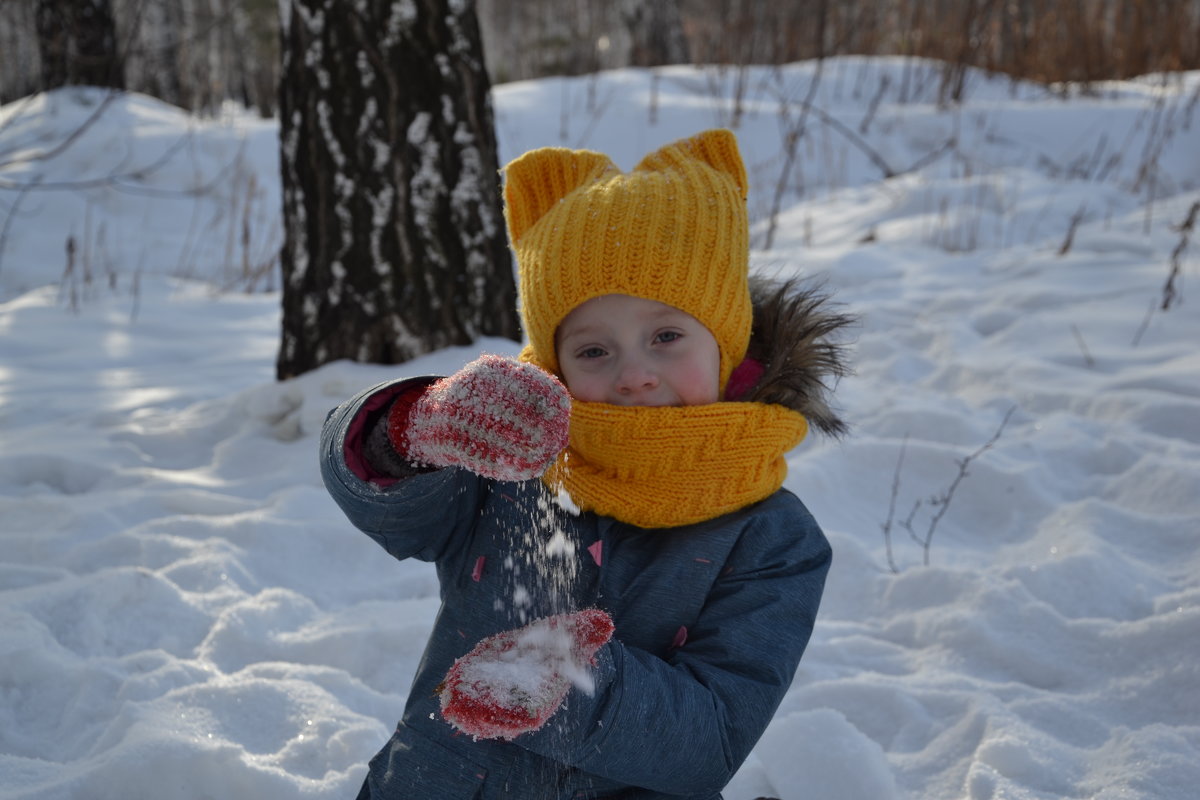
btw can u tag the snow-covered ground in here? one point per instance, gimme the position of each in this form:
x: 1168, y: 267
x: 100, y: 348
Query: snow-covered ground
x: 185, y: 614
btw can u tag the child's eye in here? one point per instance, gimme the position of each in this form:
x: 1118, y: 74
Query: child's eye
x: 591, y: 352
x: 668, y: 336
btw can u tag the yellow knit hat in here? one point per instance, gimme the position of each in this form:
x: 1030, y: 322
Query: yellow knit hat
x: 674, y: 230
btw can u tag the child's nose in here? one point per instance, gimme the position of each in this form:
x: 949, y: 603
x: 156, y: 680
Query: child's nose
x: 636, y: 377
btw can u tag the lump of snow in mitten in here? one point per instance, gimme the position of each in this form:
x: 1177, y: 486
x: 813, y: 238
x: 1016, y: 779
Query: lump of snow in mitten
x: 555, y: 642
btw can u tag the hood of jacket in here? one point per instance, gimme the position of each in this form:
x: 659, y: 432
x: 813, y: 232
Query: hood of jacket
x: 799, y: 341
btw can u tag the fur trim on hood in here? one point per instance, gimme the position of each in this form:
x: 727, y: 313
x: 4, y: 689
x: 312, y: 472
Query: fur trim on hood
x: 799, y: 341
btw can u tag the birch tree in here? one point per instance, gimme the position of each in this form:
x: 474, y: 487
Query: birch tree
x: 656, y: 30
x: 77, y: 43
x: 394, y: 239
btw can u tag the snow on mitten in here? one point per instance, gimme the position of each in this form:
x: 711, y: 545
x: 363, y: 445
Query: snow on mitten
x: 497, y: 417
x: 512, y: 682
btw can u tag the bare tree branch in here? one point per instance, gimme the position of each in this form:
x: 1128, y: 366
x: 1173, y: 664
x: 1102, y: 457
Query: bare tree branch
x: 791, y: 143
x: 10, y: 216
x: 71, y: 138
x: 943, y: 500
x: 887, y: 524
x: 1169, y: 292
x: 20, y: 109
x: 854, y: 139
x: 128, y: 181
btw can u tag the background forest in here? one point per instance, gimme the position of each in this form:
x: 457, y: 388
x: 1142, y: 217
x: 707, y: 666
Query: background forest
x: 197, y: 53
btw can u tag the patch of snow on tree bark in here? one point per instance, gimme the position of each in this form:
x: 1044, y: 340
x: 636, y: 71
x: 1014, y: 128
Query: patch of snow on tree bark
x: 381, y: 216
x: 324, y: 114
x: 366, y: 120
x: 426, y: 185
x: 334, y: 295
x: 403, y: 15
x: 313, y: 20
x: 365, y: 70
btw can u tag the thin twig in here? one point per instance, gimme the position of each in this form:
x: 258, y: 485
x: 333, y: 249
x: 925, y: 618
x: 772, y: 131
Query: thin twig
x: 933, y: 155
x: 19, y: 110
x: 113, y: 180
x: 943, y: 502
x: 69, y: 281
x: 8, y: 220
x: 884, y: 82
x: 854, y: 139
x: 1087, y: 357
x: 907, y: 523
x: 74, y: 135
x: 1137, y: 336
x: 1076, y: 218
x: 887, y: 525
x: 791, y: 138
x: 1169, y: 293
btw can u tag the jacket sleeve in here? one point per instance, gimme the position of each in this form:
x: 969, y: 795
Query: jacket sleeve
x: 685, y: 725
x: 410, y: 517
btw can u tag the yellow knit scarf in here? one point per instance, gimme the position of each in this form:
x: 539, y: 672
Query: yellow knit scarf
x: 658, y: 467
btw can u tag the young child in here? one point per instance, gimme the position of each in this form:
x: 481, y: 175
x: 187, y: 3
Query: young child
x: 622, y: 609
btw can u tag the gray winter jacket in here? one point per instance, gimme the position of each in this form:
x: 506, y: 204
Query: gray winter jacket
x: 711, y: 621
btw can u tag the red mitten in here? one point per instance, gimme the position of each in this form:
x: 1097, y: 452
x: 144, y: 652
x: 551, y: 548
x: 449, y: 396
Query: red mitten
x: 497, y: 417
x: 512, y: 682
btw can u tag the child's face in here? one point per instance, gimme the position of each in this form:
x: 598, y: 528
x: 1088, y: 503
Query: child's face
x: 632, y: 352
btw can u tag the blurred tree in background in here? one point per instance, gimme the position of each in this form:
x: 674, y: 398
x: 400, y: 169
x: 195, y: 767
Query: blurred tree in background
x: 77, y: 44
x: 655, y: 33
x: 195, y: 54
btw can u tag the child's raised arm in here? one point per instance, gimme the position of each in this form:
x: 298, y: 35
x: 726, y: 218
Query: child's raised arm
x: 495, y: 418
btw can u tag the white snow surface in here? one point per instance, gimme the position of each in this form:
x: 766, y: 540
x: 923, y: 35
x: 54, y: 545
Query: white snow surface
x: 184, y: 613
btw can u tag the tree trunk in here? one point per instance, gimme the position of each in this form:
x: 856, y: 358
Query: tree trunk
x: 77, y: 42
x: 152, y: 36
x: 394, y: 241
x: 656, y: 31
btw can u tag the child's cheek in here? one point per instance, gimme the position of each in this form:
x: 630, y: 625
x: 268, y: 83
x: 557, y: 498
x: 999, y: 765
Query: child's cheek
x: 577, y: 380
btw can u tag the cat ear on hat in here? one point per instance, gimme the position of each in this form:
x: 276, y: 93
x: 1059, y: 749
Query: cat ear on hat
x: 536, y: 181
x: 717, y: 148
